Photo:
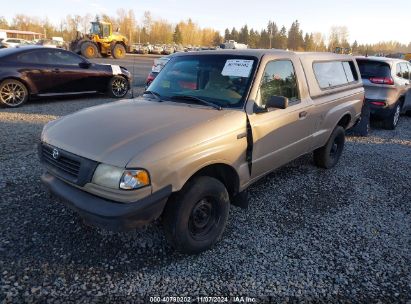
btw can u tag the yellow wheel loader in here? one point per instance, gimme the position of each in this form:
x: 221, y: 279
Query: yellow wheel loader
x: 100, y: 42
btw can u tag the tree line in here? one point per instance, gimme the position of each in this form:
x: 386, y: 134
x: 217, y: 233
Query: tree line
x: 187, y: 32
x: 294, y: 39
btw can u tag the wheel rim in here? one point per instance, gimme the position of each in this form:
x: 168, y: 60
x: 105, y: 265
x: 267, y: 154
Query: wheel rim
x: 12, y: 94
x: 119, y: 87
x: 119, y: 52
x: 202, y: 218
x: 90, y: 51
x: 397, y: 115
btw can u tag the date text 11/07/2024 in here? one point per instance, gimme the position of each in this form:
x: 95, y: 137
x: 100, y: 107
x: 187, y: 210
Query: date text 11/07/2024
x: 209, y: 299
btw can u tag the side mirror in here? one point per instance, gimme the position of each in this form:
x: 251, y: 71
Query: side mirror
x: 84, y: 65
x: 277, y: 102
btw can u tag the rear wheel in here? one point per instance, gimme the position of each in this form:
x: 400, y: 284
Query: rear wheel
x: 391, y: 122
x: 118, y: 87
x: 195, y: 218
x: 328, y: 155
x: 89, y: 49
x: 13, y: 93
x: 119, y: 51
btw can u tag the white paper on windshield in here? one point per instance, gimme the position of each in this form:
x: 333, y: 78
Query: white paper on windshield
x: 237, y: 68
x: 157, y: 68
x: 116, y: 69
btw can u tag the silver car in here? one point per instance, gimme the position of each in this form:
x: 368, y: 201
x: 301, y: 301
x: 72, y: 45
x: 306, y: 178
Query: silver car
x: 387, y: 88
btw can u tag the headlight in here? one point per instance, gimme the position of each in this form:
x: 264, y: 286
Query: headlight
x: 134, y: 179
x: 118, y: 178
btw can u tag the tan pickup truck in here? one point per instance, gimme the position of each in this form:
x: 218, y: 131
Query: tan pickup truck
x: 210, y: 125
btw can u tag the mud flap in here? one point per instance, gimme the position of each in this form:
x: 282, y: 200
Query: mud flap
x: 241, y: 200
x: 249, y: 151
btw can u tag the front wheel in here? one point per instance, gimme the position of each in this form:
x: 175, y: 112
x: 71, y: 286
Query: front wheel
x: 118, y: 87
x: 195, y: 218
x: 119, y: 51
x: 13, y: 93
x: 392, y: 121
x: 328, y: 155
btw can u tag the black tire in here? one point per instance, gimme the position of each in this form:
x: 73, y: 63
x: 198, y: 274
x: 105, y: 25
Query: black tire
x: 89, y: 49
x: 118, y: 87
x: 195, y: 218
x: 391, y: 122
x: 118, y: 51
x: 328, y: 155
x: 13, y: 93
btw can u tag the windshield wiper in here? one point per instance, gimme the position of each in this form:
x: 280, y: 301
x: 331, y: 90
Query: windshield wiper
x: 197, y: 99
x: 155, y: 94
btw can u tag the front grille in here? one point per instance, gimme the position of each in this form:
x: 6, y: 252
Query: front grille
x: 71, y: 167
x: 63, y: 163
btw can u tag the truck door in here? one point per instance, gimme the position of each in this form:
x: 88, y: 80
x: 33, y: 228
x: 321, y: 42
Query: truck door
x: 280, y: 135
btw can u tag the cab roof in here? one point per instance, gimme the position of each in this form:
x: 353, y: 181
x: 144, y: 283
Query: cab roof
x: 259, y: 53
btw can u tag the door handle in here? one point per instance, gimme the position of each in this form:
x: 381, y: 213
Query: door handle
x: 303, y: 114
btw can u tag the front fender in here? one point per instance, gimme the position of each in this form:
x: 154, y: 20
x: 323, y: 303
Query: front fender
x: 175, y: 160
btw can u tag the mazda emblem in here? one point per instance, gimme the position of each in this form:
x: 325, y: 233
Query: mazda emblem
x: 56, y: 154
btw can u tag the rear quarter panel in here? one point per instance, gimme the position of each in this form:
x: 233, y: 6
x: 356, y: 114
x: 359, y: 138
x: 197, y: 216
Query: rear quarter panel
x: 329, y: 109
x: 12, y: 70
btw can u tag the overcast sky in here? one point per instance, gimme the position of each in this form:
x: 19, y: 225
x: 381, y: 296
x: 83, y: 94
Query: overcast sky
x: 367, y: 21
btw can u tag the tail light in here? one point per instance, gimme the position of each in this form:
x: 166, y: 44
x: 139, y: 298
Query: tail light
x: 150, y: 78
x: 382, y: 80
x: 378, y: 103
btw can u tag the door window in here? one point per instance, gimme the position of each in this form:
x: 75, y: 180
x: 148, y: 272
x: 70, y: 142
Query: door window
x: 279, y: 79
x: 56, y: 57
x: 66, y: 58
x: 405, y: 71
x: 106, y: 30
x: 399, y: 71
x: 30, y: 57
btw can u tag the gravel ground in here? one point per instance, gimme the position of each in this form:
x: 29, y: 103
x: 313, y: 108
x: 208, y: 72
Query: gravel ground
x: 309, y: 234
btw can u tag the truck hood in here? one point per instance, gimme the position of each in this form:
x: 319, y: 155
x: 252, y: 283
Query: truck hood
x: 115, y: 133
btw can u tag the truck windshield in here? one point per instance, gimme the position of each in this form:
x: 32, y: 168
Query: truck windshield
x: 223, y: 80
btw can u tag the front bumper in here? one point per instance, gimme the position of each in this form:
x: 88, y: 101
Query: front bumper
x: 108, y: 214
